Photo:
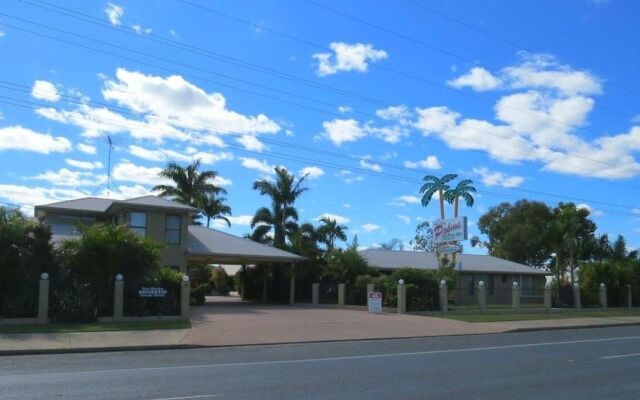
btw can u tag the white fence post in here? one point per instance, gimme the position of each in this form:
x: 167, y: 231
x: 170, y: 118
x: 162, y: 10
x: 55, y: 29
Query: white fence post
x: 341, y: 294
x: 402, y: 297
x: 444, y: 298
x: 576, y: 296
x: 482, y: 297
x: 185, y: 295
x: 43, y: 299
x: 315, y: 293
x: 603, y: 296
x: 515, y: 296
x: 118, y: 298
x: 547, y: 297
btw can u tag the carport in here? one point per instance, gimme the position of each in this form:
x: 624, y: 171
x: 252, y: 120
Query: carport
x: 210, y: 246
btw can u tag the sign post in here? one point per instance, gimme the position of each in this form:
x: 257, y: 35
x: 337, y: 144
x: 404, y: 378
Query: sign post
x: 374, y: 302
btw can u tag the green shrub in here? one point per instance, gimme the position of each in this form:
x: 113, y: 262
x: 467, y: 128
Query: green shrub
x: 198, y: 294
x: 199, y: 274
x: 220, y: 281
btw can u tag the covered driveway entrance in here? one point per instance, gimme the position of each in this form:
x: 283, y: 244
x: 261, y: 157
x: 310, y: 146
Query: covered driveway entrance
x: 209, y: 246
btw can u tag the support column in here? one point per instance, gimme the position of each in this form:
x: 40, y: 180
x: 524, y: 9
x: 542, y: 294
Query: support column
x: 315, y: 293
x: 118, y: 298
x: 43, y: 299
x: 264, y: 288
x: 515, y: 296
x: 629, y: 297
x: 444, y: 297
x: 244, y: 276
x: 292, y: 286
x: 603, y: 296
x: 341, y: 293
x: 185, y: 296
x: 482, y: 297
x: 547, y: 297
x: 402, y: 297
x: 576, y: 296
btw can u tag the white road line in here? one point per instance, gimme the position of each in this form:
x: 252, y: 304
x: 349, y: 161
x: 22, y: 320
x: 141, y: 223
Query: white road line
x: 621, y: 356
x: 328, y: 359
x: 201, y: 396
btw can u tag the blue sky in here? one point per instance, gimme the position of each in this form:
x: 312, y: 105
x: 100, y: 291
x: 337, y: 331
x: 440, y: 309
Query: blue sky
x: 528, y: 99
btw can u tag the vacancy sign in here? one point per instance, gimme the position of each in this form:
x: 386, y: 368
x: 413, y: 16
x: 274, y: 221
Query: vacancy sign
x: 374, y: 301
x: 450, y: 230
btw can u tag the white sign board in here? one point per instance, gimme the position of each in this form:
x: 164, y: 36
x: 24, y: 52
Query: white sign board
x: 374, y: 302
x: 449, y: 248
x: 450, y: 230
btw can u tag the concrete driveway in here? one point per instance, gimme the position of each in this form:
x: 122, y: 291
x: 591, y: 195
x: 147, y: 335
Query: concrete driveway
x: 228, y: 321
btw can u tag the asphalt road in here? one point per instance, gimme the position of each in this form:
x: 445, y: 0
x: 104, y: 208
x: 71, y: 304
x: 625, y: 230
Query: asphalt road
x: 564, y: 364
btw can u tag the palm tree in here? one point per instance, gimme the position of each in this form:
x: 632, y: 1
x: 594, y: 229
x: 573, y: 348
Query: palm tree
x: 463, y: 189
x: 215, y: 208
x: 434, y: 184
x: 330, y: 231
x: 191, y: 186
x: 282, y: 217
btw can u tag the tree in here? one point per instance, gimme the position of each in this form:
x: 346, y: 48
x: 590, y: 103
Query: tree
x: 215, y: 208
x: 463, y: 189
x: 423, y: 240
x: 282, y: 217
x: 330, y: 231
x: 435, y: 185
x: 393, y: 244
x: 517, y: 232
x: 572, y: 231
x: 191, y: 187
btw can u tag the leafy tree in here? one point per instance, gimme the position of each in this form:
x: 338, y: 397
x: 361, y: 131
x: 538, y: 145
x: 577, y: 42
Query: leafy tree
x: 345, y: 266
x: 434, y: 185
x: 393, y: 244
x: 423, y: 239
x: 330, y: 231
x: 282, y: 217
x: 215, y: 208
x: 191, y: 186
x: 517, y: 232
x: 462, y: 190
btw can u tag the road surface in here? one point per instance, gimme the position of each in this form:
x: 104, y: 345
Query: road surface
x: 565, y: 364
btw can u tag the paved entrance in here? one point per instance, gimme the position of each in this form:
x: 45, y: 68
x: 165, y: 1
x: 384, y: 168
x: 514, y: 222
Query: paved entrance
x: 229, y: 321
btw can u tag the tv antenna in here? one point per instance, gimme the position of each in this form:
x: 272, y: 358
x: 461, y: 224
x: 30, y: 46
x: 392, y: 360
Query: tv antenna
x: 109, y: 166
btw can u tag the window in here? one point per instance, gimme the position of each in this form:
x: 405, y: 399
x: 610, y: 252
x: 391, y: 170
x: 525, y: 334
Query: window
x: 138, y: 223
x: 172, y: 229
x: 472, y: 285
x: 505, y: 277
x: 527, y: 285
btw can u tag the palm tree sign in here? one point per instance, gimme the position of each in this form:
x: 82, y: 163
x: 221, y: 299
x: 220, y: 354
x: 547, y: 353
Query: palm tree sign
x: 435, y: 185
x: 464, y: 190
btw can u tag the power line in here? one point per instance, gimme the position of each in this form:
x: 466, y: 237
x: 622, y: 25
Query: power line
x: 236, y: 61
x: 290, y: 102
x: 494, y: 36
x: 398, y: 177
x: 128, y: 111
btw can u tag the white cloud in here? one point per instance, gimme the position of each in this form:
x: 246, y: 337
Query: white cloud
x: 342, y: 131
x: 495, y: 178
x: 478, y: 79
x: 86, y: 148
x: 338, y: 218
x: 252, y: 163
x: 406, y: 199
x: 370, y: 166
x: 44, y: 90
x: 140, y: 30
x: 370, y: 227
x: 31, y: 196
x: 2, y: 34
x: 24, y: 139
x: 636, y: 211
x: 345, y: 109
x: 122, y: 192
x: 65, y: 177
x: 240, y: 220
x: 126, y: 171
x: 251, y: 143
x: 347, y: 57
x: 592, y: 211
x: 164, y: 155
x: 404, y: 218
x: 114, y: 13
x: 398, y: 113
x: 431, y: 162
x: 312, y: 172
x: 349, y: 177
x: 84, y: 164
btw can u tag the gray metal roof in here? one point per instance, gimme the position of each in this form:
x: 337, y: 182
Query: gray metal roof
x: 393, y: 259
x: 90, y: 204
x: 102, y: 205
x: 156, y: 201
x: 220, y: 247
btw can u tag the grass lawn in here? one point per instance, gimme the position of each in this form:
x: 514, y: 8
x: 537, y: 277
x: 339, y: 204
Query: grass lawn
x: 95, y: 327
x: 524, y: 316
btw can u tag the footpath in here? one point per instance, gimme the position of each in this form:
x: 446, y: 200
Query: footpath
x: 252, y: 324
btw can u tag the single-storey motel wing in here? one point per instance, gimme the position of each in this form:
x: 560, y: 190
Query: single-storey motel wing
x: 498, y: 274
